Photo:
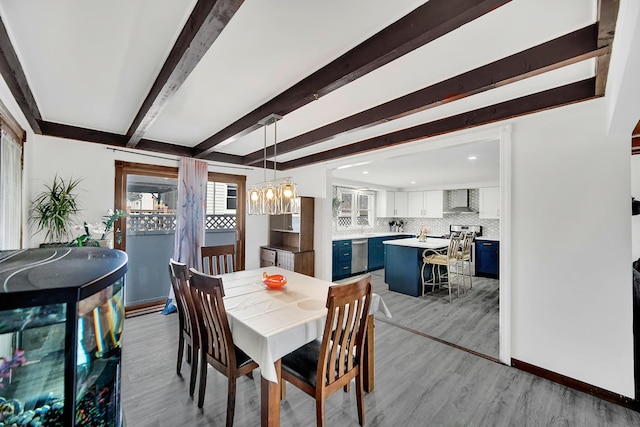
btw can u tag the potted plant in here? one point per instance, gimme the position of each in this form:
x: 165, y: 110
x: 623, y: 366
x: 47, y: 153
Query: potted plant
x: 104, y: 229
x: 54, y: 209
x: 108, y: 221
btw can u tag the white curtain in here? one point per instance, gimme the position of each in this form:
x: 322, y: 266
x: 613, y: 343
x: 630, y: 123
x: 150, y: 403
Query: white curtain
x: 190, y: 218
x: 10, y: 190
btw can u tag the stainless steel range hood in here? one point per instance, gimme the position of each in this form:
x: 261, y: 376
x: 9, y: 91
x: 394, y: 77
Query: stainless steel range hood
x: 459, y: 202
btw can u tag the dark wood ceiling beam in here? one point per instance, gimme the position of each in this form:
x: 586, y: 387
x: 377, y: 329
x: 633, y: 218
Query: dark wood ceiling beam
x: 551, y: 98
x: 570, y: 48
x: 206, y: 22
x: 82, y: 134
x: 164, y: 148
x: 13, y: 74
x: 607, y: 16
x: 111, y: 139
x: 426, y: 23
x: 635, y: 145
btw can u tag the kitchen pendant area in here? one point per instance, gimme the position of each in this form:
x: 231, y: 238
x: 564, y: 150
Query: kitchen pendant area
x: 466, y: 197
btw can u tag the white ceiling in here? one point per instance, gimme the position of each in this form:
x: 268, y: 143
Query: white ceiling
x: 91, y: 64
x: 448, y: 167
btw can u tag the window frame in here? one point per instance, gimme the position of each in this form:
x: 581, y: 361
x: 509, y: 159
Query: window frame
x: 353, y: 213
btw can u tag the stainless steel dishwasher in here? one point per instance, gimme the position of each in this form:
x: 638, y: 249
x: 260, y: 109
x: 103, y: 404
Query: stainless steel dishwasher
x: 359, y: 255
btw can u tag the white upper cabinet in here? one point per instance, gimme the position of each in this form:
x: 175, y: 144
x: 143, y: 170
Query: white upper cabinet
x: 401, y: 203
x: 426, y: 204
x: 391, y: 203
x: 416, y: 204
x: 490, y: 203
x: 434, y: 203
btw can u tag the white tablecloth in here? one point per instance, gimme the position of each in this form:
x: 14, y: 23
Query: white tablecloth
x: 268, y: 324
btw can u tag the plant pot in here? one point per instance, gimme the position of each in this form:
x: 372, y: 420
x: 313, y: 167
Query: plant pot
x: 105, y: 243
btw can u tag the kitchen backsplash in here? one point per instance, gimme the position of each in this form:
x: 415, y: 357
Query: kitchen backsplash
x: 437, y: 226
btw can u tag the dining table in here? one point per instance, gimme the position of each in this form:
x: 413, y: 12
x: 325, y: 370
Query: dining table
x: 268, y: 324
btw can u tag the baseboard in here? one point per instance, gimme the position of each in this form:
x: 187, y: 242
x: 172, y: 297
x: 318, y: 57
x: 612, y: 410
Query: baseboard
x: 601, y: 393
x: 139, y: 310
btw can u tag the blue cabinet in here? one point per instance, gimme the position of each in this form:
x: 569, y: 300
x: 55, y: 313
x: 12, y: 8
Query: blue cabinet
x: 341, y: 259
x: 376, y: 250
x: 376, y: 253
x: 488, y: 258
x: 403, y: 265
x: 402, y: 271
x: 341, y: 266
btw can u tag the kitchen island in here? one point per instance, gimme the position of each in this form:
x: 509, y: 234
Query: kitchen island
x: 403, y: 263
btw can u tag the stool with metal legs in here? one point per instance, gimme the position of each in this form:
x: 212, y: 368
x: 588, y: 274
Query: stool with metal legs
x: 447, y: 258
x: 464, y: 257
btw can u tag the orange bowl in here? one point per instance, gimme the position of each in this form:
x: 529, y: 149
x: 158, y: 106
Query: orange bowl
x: 275, y: 281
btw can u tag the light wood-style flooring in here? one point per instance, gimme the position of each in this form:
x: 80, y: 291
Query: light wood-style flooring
x: 419, y: 382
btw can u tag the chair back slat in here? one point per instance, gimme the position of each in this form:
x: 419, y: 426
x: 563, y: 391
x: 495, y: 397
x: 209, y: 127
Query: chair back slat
x: 466, y: 244
x: 345, y: 329
x: 179, y: 274
x: 218, y: 259
x: 217, y: 341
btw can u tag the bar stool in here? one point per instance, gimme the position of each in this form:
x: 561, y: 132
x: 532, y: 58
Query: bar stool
x: 444, y: 257
x: 464, y: 257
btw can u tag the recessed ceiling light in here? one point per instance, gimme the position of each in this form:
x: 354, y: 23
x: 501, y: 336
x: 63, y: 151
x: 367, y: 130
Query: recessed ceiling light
x: 352, y: 165
x: 412, y: 182
x: 365, y: 172
x: 471, y: 158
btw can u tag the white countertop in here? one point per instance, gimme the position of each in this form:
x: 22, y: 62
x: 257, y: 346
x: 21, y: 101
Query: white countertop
x: 431, y: 243
x: 366, y: 235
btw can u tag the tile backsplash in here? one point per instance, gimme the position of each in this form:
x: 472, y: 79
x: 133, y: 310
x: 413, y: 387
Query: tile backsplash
x: 437, y: 226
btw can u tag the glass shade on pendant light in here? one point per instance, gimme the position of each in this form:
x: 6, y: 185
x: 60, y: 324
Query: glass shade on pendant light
x: 254, y: 201
x: 287, y: 197
x: 270, y: 199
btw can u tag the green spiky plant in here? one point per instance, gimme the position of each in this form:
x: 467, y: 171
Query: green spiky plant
x: 54, y: 209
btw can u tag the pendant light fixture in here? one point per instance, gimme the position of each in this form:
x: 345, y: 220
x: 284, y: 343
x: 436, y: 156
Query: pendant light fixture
x: 277, y: 196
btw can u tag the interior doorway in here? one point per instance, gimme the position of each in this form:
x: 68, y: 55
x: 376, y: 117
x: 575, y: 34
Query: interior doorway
x: 427, y: 156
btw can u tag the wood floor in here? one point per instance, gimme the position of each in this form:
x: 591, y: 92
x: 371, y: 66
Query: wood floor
x: 419, y: 382
x: 470, y: 320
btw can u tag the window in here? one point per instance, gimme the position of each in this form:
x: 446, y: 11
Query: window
x: 10, y: 181
x: 232, y: 197
x: 356, y: 208
x: 222, y: 198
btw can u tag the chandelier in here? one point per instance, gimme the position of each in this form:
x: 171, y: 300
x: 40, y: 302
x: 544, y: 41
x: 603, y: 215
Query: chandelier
x: 277, y: 196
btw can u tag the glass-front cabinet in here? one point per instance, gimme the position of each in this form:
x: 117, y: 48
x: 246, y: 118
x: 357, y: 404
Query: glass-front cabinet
x: 61, y: 319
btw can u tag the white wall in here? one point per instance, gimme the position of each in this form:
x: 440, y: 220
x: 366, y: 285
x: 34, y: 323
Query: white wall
x: 571, y: 292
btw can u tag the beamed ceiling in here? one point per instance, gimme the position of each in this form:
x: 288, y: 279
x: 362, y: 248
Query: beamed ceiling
x: 194, y: 78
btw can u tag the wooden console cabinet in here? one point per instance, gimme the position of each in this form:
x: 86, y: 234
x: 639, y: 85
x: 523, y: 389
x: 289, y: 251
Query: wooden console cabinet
x: 291, y: 240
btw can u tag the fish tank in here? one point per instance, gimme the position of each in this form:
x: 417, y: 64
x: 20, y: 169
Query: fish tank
x: 61, y: 322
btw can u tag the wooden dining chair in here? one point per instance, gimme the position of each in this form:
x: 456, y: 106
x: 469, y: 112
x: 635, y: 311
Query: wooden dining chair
x: 218, y: 259
x: 188, y: 325
x: 216, y: 343
x: 322, y: 368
